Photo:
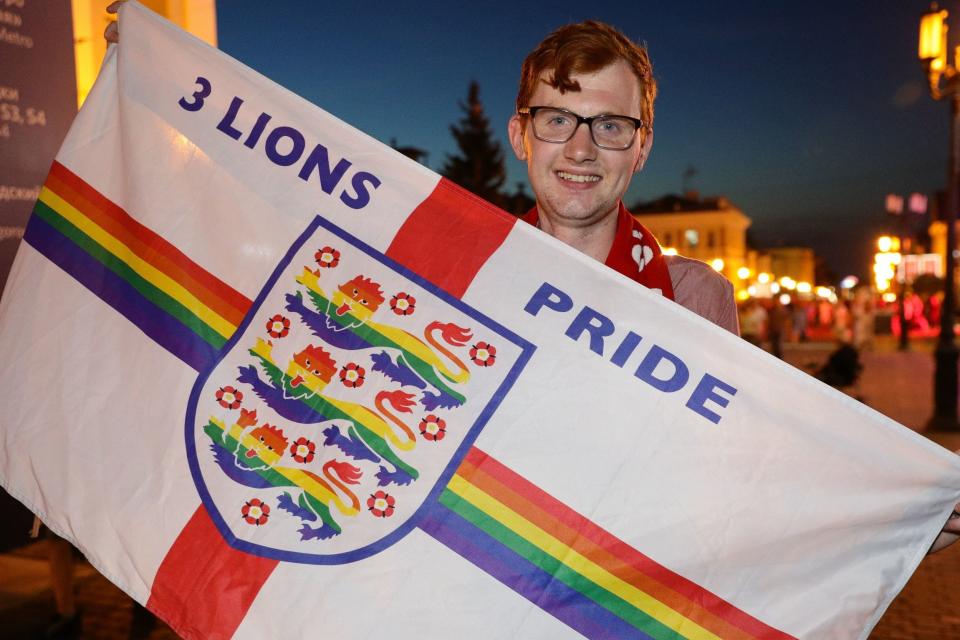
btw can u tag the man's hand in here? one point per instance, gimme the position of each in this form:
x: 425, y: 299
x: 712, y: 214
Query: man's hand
x: 950, y: 533
x: 951, y: 530
x: 112, y: 32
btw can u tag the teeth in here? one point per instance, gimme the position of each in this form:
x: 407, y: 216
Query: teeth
x: 573, y: 177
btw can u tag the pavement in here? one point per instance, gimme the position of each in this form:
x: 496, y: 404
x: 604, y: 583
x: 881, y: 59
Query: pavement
x: 898, y: 384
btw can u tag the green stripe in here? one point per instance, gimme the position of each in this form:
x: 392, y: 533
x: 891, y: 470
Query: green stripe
x: 522, y: 547
x: 116, y: 264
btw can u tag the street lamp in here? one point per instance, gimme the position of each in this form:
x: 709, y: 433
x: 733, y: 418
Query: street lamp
x: 916, y: 204
x: 944, y: 83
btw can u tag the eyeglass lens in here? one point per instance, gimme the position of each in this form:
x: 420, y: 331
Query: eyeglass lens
x: 556, y: 125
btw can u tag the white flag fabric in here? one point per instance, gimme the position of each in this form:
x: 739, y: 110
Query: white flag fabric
x: 276, y: 380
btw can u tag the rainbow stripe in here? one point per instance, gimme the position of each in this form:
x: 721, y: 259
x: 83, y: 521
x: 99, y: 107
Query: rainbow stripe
x: 173, y: 300
x: 570, y: 567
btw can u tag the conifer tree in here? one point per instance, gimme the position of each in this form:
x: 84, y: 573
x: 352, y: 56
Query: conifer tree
x: 479, y: 166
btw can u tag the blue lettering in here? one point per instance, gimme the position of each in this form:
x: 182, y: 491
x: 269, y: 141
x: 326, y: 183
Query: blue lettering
x: 626, y: 348
x: 285, y: 160
x: 319, y: 159
x: 363, y: 195
x: 198, y: 96
x: 594, y: 323
x: 707, y: 390
x: 225, y: 125
x: 649, y: 365
x: 257, y: 130
x: 550, y: 297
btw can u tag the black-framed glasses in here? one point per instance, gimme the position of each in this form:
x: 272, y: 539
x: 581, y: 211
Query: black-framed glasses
x: 552, y: 124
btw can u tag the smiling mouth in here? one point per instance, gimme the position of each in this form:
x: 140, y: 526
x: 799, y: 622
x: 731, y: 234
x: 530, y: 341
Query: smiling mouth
x: 576, y: 177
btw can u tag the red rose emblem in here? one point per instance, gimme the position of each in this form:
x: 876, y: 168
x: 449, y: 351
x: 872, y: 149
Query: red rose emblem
x: 381, y: 504
x: 352, y: 375
x: 278, y: 326
x: 228, y: 397
x: 327, y: 257
x: 255, y: 512
x: 433, y: 428
x: 303, y: 450
x: 483, y: 354
x: 403, y: 304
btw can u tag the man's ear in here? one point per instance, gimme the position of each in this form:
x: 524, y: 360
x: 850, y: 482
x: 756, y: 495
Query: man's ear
x: 644, y: 151
x: 515, y: 133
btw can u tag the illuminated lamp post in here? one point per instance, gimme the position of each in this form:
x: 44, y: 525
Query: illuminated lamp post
x: 944, y: 83
x: 916, y: 204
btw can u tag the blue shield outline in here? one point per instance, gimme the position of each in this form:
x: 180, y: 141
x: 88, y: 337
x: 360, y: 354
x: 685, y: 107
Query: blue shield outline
x: 526, y: 352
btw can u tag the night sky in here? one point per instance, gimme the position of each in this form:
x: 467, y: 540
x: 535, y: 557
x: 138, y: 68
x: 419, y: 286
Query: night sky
x: 803, y: 114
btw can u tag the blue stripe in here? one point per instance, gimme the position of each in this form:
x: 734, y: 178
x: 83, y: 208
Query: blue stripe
x: 530, y: 581
x: 156, y: 323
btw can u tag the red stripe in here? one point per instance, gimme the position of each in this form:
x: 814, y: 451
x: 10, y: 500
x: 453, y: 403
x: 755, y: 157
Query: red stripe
x: 204, y: 588
x: 215, y: 293
x: 449, y: 237
x: 607, y: 541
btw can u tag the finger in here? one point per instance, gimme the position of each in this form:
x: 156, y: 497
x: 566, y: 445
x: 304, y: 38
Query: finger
x: 943, y: 541
x: 953, y: 522
x: 112, y: 33
x: 114, y: 6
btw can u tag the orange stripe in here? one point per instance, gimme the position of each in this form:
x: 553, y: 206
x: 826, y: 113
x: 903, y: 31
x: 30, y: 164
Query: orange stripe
x: 611, y: 553
x: 204, y: 587
x: 449, y: 237
x: 217, y: 295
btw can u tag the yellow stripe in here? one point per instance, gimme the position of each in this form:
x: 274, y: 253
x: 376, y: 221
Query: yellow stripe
x: 146, y: 270
x: 570, y: 557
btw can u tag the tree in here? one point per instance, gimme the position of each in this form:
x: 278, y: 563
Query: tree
x: 478, y: 167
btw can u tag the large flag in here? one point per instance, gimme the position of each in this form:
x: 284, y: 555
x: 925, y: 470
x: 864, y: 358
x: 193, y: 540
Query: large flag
x: 276, y: 380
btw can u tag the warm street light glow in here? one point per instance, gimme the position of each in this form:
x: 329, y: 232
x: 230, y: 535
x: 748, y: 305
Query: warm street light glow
x: 763, y: 278
x: 788, y: 283
x: 804, y: 287
x: 669, y: 251
x: 886, y: 244
x: 774, y: 288
x: 752, y: 290
x: 933, y: 39
x: 894, y: 203
x: 785, y: 299
x: 743, y: 294
x: 743, y: 273
x: 890, y: 297
x: 717, y: 264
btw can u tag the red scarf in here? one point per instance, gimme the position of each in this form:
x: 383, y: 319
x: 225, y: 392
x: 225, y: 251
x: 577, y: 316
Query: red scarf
x: 635, y: 252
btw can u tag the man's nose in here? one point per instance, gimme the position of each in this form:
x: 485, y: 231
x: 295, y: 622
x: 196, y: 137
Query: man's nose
x: 580, y: 148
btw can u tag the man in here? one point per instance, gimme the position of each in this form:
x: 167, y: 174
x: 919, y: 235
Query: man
x: 591, y: 74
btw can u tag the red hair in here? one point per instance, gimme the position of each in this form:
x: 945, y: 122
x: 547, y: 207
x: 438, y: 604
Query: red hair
x: 586, y: 47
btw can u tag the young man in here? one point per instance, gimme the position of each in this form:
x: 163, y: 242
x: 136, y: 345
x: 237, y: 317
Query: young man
x: 584, y: 125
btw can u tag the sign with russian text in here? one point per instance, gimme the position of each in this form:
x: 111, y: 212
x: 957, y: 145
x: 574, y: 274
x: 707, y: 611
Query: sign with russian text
x: 276, y: 380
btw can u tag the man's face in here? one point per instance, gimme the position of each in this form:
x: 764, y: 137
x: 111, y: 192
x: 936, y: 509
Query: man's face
x: 576, y: 183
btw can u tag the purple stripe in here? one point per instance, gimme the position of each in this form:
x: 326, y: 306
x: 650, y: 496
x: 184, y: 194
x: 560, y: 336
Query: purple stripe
x: 530, y: 581
x: 160, y: 326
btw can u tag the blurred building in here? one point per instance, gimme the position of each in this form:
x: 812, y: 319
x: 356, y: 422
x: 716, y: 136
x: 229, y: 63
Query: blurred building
x: 797, y: 263
x: 709, y: 229
x: 90, y: 18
